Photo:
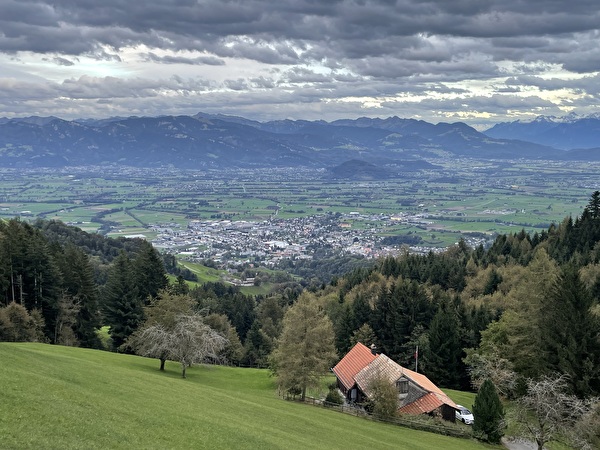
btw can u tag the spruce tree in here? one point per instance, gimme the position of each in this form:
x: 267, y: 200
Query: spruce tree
x: 570, y: 329
x: 123, y: 307
x: 149, y: 272
x: 445, y: 353
x: 78, y: 282
x: 488, y: 414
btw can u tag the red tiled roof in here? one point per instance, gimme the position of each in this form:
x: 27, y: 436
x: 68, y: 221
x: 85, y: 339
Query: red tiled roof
x: 426, y: 404
x: 355, y: 360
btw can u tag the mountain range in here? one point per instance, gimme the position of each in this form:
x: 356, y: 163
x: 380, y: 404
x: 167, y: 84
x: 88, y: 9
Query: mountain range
x: 219, y: 141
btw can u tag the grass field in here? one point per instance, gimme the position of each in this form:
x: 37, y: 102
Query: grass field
x: 59, y: 397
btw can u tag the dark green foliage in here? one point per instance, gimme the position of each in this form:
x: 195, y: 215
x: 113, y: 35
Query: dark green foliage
x: 447, y: 270
x: 227, y: 299
x: 334, y: 397
x: 30, y: 273
x: 445, y: 365
x: 492, y: 283
x: 398, y: 310
x: 593, y: 206
x: 324, y: 268
x: 105, y: 249
x: 78, y: 283
x: 123, y: 307
x: 149, y: 272
x: 257, y: 347
x: 488, y: 414
x: 571, y: 331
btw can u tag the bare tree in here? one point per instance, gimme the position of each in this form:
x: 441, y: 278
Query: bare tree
x: 68, y: 308
x: 190, y: 341
x: 164, y: 310
x: 547, y: 412
x: 493, y: 367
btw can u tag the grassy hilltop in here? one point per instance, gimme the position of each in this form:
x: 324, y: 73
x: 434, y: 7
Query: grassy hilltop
x: 62, y: 397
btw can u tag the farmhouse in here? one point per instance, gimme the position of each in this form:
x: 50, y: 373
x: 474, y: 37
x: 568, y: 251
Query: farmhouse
x: 416, y: 393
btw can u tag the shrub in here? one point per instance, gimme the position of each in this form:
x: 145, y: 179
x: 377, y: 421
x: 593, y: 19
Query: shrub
x: 334, y: 397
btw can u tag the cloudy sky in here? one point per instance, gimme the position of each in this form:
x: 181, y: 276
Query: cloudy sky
x: 477, y: 61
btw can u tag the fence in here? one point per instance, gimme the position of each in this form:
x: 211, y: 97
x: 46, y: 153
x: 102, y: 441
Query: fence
x: 404, y: 421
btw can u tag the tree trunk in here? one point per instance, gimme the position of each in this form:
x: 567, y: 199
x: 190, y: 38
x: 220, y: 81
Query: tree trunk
x: 183, y: 367
x: 162, y: 363
x: 303, y: 395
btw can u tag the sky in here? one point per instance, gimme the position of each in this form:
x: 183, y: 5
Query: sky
x: 475, y: 61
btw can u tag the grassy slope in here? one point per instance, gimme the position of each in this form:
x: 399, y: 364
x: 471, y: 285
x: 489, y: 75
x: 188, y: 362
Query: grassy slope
x: 60, y: 397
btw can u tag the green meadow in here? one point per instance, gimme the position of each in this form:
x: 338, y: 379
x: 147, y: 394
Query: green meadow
x: 457, y: 198
x: 65, y: 398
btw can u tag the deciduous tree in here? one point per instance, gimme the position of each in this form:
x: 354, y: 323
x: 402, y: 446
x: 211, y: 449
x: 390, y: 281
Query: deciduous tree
x: 190, y: 341
x: 383, y: 397
x: 548, y: 412
x: 305, y: 350
x: 163, y: 310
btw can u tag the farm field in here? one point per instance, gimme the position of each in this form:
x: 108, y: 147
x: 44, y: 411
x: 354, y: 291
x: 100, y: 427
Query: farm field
x: 62, y: 397
x: 458, y: 198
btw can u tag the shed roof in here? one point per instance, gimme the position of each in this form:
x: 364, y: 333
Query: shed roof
x: 353, y: 362
x: 426, y: 404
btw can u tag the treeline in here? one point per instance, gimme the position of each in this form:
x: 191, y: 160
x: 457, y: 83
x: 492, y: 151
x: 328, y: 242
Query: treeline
x: 64, y: 284
x: 60, y: 285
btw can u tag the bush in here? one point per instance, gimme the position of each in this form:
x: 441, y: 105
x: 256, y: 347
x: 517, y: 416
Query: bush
x: 334, y: 397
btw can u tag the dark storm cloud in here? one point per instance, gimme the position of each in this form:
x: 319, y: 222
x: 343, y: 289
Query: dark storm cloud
x: 373, y: 27
x: 302, y: 52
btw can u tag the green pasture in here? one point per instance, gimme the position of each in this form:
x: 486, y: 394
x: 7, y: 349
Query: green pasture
x: 463, y: 195
x: 68, y: 398
x: 204, y: 274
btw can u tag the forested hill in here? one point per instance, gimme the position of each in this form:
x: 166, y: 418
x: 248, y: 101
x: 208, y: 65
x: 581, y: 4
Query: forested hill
x: 528, y: 305
x: 525, y: 307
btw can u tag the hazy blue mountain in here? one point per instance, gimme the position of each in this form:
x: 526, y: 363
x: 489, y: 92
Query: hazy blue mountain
x: 217, y: 141
x: 569, y: 132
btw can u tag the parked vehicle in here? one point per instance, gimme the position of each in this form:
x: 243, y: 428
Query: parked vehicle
x: 464, y: 415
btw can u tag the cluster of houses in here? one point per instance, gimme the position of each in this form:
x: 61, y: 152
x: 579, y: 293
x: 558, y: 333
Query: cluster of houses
x: 357, y: 370
x: 270, y: 241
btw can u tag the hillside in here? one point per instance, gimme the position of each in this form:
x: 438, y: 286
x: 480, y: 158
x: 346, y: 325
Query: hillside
x: 62, y: 397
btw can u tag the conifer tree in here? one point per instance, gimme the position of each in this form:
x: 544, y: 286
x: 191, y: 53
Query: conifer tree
x: 149, y: 272
x: 445, y: 366
x: 78, y: 282
x: 488, y: 414
x: 570, y: 329
x: 123, y: 307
